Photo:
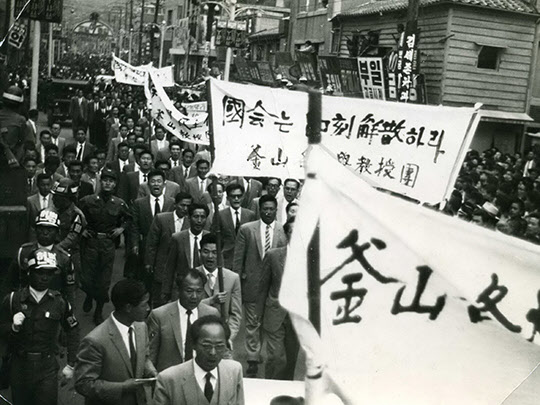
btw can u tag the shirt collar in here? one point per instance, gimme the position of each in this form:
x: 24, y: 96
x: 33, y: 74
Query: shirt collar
x: 200, y: 374
x: 123, y: 329
x: 264, y: 224
x: 45, y: 247
x: 208, y: 272
x: 176, y: 217
x: 160, y: 199
x: 38, y: 295
x: 183, y: 311
x: 233, y: 211
x: 192, y: 235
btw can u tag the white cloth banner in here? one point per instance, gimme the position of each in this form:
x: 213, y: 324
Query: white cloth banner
x: 184, y: 127
x: 136, y: 75
x: 414, y: 150
x: 416, y: 307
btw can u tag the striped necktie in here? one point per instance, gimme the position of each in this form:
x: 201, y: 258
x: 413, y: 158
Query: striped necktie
x: 267, y: 243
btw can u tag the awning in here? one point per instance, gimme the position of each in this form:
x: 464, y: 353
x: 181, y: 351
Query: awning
x: 177, y: 51
x: 504, y: 117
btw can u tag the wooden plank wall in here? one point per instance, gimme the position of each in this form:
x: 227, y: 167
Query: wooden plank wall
x: 433, y: 23
x: 504, y: 89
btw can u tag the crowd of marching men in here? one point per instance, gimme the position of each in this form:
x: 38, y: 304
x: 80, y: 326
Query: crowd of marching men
x: 122, y: 181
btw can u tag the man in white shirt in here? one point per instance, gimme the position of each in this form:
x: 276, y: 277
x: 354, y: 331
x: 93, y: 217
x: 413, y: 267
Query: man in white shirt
x: 291, y: 189
x: 206, y: 379
x: 169, y: 325
x: 39, y: 201
x: 160, y: 143
x: 56, y: 138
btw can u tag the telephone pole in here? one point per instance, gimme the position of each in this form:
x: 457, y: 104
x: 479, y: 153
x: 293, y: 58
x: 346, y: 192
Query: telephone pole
x: 141, y: 33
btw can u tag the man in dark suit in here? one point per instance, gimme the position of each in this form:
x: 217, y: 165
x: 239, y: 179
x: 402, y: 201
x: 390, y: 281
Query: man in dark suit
x: 170, y: 188
x: 98, y: 127
x: 196, y: 186
x: 181, y: 172
x: 129, y: 186
x: 231, y: 296
x: 231, y: 218
x: 184, y: 248
x: 69, y: 154
x: 169, y: 325
x: 113, y: 152
x: 113, y: 360
x: 80, y: 188
x: 92, y: 113
x: 77, y: 110
x: 281, y: 341
x: 118, y: 164
x: 272, y: 188
x: 39, y: 201
x: 143, y: 212
x: 253, y: 241
x: 208, y: 379
x: 30, y: 166
x: 56, y: 139
x: 82, y: 146
x: 253, y: 189
x: 112, y: 123
x: 163, y: 226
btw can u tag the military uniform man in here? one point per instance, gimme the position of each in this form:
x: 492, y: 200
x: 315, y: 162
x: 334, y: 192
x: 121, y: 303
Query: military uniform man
x: 72, y: 222
x: 108, y: 216
x: 47, y: 224
x: 30, y: 319
x: 13, y: 128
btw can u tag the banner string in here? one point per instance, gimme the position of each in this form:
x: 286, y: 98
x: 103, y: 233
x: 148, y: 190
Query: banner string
x: 13, y: 24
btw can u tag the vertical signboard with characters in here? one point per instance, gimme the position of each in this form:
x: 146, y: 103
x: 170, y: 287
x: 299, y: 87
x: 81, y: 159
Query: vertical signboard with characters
x: 372, y: 77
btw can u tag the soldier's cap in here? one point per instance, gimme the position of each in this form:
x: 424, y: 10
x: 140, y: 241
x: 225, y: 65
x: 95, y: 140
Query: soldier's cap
x: 14, y: 93
x: 42, y: 258
x: 106, y: 172
x: 48, y: 217
x: 64, y: 187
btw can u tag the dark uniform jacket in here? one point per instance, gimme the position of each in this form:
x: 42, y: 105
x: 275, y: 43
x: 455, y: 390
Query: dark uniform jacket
x: 40, y: 330
x: 103, y: 216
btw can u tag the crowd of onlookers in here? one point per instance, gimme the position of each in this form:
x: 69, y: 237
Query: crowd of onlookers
x: 499, y: 191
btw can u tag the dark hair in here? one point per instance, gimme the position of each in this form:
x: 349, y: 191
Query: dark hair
x: 69, y: 149
x: 267, y: 198
x: 293, y: 180
x: 44, y: 132
x: 75, y: 163
x: 155, y: 173
x: 88, y: 158
x: 234, y: 186
x: 173, y: 142
x: 209, y: 238
x: 100, y: 152
x: 42, y: 176
x: 197, y: 206
x: 162, y: 162
x: 290, y: 205
x: 52, y: 160
x: 145, y: 151
x: 30, y: 158
x: 127, y: 291
x: 181, y: 196
x: 274, y: 178
x: 208, y: 320
x: 187, y: 150
x: 81, y: 129
x: 201, y: 161
x: 51, y: 146
x: 122, y: 144
x: 123, y: 126
x: 288, y: 224
x: 195, y: 274
x: 211, y: 183
x: 33, y: 113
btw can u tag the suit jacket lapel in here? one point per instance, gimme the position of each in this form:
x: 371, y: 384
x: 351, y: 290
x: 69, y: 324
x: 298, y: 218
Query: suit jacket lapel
x: 141, y: 352
x: 176, y: 327
x: 278, y: 235
x: 167, y: 205
x: 223, y: 389
x: 257, y: 230
x: 169, y: 222
x: 118, y: 342
x: 187, y: 243
x: 228, y: 219
x: 191, y: 386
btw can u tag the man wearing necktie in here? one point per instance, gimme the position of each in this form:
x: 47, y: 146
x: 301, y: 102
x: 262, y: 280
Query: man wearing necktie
x: 113, y: 365
x: 231, y: 296
x: 196, y: 186
x: 169, y: 324
x: 254, y: 239
x: 208, y: 379
x: 39, y: 201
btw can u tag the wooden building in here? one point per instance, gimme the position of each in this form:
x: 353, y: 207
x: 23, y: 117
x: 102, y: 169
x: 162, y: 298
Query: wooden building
x: 471, y: 51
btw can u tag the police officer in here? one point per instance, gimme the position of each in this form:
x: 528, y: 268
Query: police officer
x: 72, y: 222
x: 31, y: 319
x: 107, y: 216
x: 13, y: 129
x: 47, y: 227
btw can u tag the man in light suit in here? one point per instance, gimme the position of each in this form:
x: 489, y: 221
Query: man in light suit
x: 170, y: 188
x: 38, y: 202
x: 56, y: 139
x: 183, y: 169
x: 78, y: 110
x: 281, y: 341
x: 184, y: 248
x: 229, y: 222
x: 252, y: 243
x: 160, y: 143
x: 169, y: 325
x: 196, y: 186
x: 113, y: 359
x: 163, y: 226
x: 231, y: 297
x: 272, y: 188
x: 207, y: 380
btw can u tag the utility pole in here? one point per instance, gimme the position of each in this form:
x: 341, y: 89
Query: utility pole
x: 156, y: 14
x: 51, y: 49
x: 141, y: 33
x: 412, y: 14
x: 35, y: 64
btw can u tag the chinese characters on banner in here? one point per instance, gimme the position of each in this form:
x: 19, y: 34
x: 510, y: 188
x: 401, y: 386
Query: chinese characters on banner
x: 42, y: 10
x: 187, y: 128
x: 441, y: 310
x: 136, y: 75
x: 372, y: 78
x: 408, y: 149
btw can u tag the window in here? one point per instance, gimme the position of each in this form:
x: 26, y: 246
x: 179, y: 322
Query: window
x: 488, y: 57
x: 169, y: 17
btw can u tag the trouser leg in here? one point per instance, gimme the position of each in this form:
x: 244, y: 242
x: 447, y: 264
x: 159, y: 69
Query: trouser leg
x: 253, y: 332
x: 275, y: 352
